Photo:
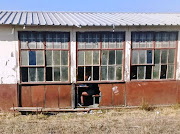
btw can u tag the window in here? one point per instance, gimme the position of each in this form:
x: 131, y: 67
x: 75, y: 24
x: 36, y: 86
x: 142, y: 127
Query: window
x: 153, y: 55
x: 100, y: 55
x: 44, y: 56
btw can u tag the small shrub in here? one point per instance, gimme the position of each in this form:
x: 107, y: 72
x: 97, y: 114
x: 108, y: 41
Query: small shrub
x: 145, y: 106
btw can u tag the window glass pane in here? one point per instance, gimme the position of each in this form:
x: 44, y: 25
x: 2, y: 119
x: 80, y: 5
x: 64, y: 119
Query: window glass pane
x: 49, y: 40
x: 64, y: 71
x: 88, y: 57
x: 105, y: 40
x: 141, y: 72
x: 40, y: 74
x: 165, y: 39
x: 56, y: 57
x: 57, y: 40
x: 89, y: 40
x: 80, y: 57
x: 88, y: 72
x: 32, y: 40
x: 173, y: 39
x: 95, y: 57
x: 134, y: 72
x: 24, y: 74
x: 64, y: 58
x: 32, y: 74
x: 158, y: 40
x: 134, y: 56
x: 103, y: 72
x: 163, y: 71
x: 81, y: 41
x: 148, y: 72
x: 40, y: 57
x: 142, y: 39
x: 56, y: 73
x: 119, y: 73
x: 119, y: 56
x: 111, y: 57
x: 142, y: 57
x: 65, y: 40
x: 24, y: 41
x: 96, y: 40
x: 120, y: 40
x: 24, y: 58
x: 104, y: 57
x: 164, y: 56
x: 40, y: 40
x: 112, y: 40
x: 111, y: 73
x: 171, y: 55
x: 170, y: 71
x: 80, y: 75
x: 149, y: 40
x: 32, y: 57
x: 135, y: 40
x: 156, y: 71
x: 48, y: 73
x: 149, y: 56
x: 96, y: 73
x: 48, y: 57
x: 156, y: 56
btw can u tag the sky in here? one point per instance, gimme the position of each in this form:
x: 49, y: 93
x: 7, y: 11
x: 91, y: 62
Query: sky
x: 167, y: 6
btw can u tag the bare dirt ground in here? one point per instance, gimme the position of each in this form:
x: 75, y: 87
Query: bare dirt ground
x: 119, y: 121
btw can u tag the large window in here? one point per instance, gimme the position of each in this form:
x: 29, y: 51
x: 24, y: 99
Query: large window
x: 44, y: 56
x: 153, y: 55
x: 100, y: 55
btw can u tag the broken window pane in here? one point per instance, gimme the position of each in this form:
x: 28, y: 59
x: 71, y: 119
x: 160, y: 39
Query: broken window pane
x: 142, y: 57
x: 149, y: 56
x: 171, y: 55
x: 103, y: 72
x: 81, y: 41
x: 163, y: 71
x: 119, y: 73
x: 96, y: 40
x: 170, y: 71
x: 65, y: 40
x: 104, y: 57
x: 133, y: 72
x: 40, y: 74
x: 148, y: 72
x: 49, y: 40
x: 64, y: 58
x: 173, y: 38
x: 111, y: 73
x: 164, y: 56
x: 40, y: 57
x: 142, y: 40
x: 89, y: 40
x: 32, y: 57
x: 31, y: 40
x: 57, y: 40
x: 105, y: 40
x: 24, y: 74
x: 96, y: 73
x: 40, y: 40
x: 56, y: 57
x: 88, y: 57
x: 119, y: 56
x: 24, y: 58
x: 156, y: 56
x: 88, y: 72
x: 64, y: 71
x: 165, y: 40
x: 156, y: 71
x: 95, y: 57
x: 141, y: 72
x: 120, y: 40
x: 135, y: 40
x: 80, y: 57
x: 32, y: 74
x: 112, y: 40
x: 56, y: 73
x: 80, y: 75
x: 149, y: 40
x: 48, y: 57
x: 134, y: 56
x: 48, y: 73
x: 158, y: 40
x: 111, y: 57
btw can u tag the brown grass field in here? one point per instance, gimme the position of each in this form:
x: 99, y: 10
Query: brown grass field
x: 165, y: 120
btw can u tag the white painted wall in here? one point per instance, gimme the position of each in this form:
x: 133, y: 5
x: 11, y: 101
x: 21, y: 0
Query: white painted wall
x: 9, y: 49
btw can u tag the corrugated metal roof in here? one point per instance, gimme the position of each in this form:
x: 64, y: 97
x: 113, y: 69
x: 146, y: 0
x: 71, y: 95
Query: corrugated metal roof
x: 87, y: 18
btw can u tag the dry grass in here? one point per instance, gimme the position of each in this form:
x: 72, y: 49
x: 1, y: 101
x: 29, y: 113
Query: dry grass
x: 121, y: 121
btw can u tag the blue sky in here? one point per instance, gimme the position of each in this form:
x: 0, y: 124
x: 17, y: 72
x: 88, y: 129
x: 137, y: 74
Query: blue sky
x: 92, y: 5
